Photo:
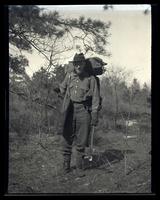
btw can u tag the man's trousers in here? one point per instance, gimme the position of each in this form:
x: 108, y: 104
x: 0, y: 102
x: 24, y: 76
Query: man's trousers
x: 77, y: 129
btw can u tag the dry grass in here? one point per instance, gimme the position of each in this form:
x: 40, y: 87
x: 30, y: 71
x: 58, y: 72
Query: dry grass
x: 35, y: 166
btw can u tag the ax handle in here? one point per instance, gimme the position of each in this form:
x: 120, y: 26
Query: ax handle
x: 92, y: 133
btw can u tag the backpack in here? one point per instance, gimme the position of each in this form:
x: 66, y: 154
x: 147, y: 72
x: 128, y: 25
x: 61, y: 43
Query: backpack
x: 94, y: 66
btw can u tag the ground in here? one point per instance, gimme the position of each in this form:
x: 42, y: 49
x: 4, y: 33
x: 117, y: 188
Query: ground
x: 118, y: 166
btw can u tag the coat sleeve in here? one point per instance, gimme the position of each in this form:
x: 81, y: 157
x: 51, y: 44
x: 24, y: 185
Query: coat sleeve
x: 95, y: 94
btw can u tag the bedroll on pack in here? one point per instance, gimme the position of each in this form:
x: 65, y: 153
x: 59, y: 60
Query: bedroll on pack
x: 94, y: 66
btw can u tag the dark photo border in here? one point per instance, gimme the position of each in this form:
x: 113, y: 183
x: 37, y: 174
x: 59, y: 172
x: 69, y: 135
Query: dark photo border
x: 4, y: 77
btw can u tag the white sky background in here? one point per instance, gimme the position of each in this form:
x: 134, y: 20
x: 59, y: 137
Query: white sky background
x: 130, y: 40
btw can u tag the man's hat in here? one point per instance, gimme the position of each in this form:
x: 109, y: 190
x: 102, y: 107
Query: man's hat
x: 79, y: 57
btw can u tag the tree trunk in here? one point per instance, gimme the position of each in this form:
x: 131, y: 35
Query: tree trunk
x: 47, y: 121
x: 117, y: 106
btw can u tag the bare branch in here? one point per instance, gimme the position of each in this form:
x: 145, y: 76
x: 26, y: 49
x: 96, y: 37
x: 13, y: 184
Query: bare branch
x: 25, y: 97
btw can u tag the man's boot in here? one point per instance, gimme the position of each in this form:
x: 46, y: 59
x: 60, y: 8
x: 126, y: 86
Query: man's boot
x: 79, y: 165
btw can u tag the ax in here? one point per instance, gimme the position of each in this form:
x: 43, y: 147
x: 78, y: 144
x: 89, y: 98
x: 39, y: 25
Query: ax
x: 90, y: 156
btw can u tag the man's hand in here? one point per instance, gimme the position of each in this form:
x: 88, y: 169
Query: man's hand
x: 94, y: 119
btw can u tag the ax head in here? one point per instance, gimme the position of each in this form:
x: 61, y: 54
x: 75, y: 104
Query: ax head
x: 89, y: 157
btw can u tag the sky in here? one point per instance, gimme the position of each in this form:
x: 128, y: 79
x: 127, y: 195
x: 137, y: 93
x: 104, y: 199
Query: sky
x: 95, y: 7
x: 130, y: 40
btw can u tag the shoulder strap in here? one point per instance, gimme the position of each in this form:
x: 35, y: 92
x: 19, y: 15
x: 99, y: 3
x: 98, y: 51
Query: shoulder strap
x: 98, y: 82
x: 89, y: 81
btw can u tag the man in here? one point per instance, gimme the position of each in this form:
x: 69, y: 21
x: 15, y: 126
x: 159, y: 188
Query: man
x: 82, y: 114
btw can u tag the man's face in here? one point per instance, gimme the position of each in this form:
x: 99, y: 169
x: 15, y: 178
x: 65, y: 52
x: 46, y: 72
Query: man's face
x: 79, y: 67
